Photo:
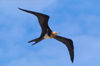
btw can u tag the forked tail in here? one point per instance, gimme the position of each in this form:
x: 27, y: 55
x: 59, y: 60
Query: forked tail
x: 36, y: 40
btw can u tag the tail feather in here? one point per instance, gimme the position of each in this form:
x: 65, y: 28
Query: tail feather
x: 36, y: 40
x: 33, y: 40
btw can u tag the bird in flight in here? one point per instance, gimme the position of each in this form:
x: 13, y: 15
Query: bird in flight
x: 47, y: 33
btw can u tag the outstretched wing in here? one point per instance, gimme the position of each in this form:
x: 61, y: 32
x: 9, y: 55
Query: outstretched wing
x: 68, y: 43
x: 43, y: 20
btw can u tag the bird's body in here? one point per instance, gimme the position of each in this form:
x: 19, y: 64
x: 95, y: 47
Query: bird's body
x: 46, y: 36
x: 47, y: 33
x: 53, y: 34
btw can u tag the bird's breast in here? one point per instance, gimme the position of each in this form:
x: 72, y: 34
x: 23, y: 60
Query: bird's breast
x: 46, y: 36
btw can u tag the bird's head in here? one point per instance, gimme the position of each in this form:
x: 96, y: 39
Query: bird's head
x: 55, y: 33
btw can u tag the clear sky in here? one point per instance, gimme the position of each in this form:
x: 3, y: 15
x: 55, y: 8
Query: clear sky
x: 75, y: 19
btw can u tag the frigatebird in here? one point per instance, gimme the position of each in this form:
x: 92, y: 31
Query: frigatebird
x: 48, y: 33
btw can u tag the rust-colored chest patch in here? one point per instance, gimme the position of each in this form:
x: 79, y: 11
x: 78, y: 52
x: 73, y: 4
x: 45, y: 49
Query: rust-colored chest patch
x: 52, y: 35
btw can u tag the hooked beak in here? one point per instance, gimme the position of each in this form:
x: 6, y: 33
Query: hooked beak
x: 59, y: 32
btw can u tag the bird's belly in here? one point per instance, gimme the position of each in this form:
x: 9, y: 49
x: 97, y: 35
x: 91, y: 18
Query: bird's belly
x: 46, y: 36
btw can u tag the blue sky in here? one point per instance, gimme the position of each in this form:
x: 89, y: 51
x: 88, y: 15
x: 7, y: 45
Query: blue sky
x: 78, y: 20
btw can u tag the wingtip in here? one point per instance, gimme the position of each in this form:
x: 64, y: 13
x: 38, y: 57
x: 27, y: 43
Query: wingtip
x: 20, y: 8
x: 72, y: 60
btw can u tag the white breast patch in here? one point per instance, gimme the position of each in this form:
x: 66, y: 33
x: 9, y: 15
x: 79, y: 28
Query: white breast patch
x: 46, y: 36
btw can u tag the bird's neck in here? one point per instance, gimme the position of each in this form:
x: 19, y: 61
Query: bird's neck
x: 53, y: 34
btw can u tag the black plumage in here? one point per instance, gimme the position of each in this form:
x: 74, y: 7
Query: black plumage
x: 43, y: 21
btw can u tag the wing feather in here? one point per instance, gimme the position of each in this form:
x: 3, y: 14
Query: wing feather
x: 69, y: 44
x: 43, y: 20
